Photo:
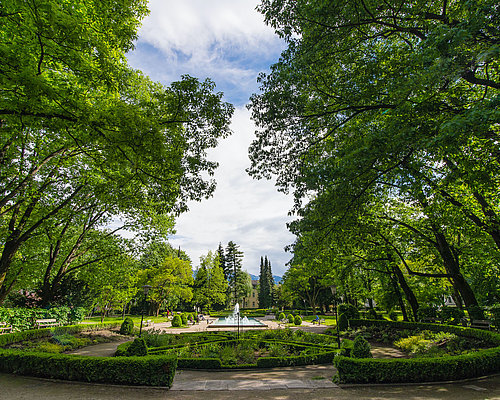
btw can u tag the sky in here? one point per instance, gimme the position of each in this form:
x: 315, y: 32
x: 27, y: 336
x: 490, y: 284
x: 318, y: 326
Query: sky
x: 228, y: 42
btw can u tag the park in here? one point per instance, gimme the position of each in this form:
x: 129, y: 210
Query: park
x: 287, y: 199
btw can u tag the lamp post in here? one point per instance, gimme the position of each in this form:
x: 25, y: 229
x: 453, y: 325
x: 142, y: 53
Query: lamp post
x: 145, y: 288
x: 333, y: 288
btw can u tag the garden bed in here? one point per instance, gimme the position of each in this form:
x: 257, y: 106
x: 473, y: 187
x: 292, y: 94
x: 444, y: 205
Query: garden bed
x: 220, y: 350
x: 150, y: 371
x: 474, y: 363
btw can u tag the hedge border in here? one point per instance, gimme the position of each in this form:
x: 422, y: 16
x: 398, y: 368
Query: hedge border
x: 148, y: 370
x: 448, y: 368
x: 322, y: 357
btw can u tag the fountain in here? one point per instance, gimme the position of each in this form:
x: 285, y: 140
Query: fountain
x: 235, y: 320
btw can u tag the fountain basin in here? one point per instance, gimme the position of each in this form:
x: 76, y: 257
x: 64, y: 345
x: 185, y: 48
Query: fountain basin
x: 232, y: 323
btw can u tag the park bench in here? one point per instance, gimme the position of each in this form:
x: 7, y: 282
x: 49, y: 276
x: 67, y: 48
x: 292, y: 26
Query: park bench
x: 5, y: 328
x: 46, y: 323
x: 480, y: 324
x: 319, y: 321
x: 148, y: 322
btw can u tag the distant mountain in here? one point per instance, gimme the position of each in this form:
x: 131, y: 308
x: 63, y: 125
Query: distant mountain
x: 277, y: 279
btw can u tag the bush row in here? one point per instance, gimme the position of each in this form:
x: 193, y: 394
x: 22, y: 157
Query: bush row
x: 24, y: 318
x: 489, y: 337
x: 60, y: 330
x: 446, y: 368
x: 150, y: 371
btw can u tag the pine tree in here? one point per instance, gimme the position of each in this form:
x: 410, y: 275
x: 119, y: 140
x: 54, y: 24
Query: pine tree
x: 222, y: 261
x: 263, y: 287
x: 270, y: 284
x: 233, y: 263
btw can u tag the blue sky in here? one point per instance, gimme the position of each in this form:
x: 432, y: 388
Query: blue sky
x: 228, y: 42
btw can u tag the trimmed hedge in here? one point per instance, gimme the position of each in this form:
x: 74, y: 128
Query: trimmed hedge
x: 446, y: 368
x: 150, y: 371
x: 60, y: 330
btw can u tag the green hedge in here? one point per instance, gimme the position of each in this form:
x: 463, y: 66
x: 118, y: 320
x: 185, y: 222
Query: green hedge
x: 24, y: 318
x: 150, y: 371
x: 44, y: 332
x: 199, y: 363
x: 446, y: 368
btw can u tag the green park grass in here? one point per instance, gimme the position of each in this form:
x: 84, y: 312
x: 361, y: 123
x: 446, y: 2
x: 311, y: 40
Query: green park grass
x: 135, y: 318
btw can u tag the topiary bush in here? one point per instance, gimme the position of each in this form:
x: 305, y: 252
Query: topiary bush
x: 184, y: 319
x: 297, y: 320
x: 343, y: 322
x: 281, y: 316
x: 361, y: 348
x: 290, y: 318
x: 137, y: 348
x: 176, y: 321
x: 349, y: 310
x: 127, y: 326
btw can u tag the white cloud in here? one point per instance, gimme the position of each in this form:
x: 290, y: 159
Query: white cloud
x: 251, y: 213
x: 227, y: 41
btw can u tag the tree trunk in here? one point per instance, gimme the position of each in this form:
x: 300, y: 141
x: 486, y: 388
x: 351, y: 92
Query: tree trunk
x: 407, y: 290
x: 400, y: 299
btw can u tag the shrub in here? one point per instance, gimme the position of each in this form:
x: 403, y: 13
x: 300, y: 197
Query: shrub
x: 475, y: 312
x: 281, y: 316
x: 428, y: 312
x: 343, y: 322
x: 176, y: 321
x: 346, y: 347
x: 349, y: 310
x: 495, y: 313
x: 297, y: 320
x: 393, y: 315
x: 451, y: 315
x: 151, y: 371
x: 127, y: 326
x: 137, y: 348
x: 290, y: 318
x: 184, y: 319
x: 471, y: 365
x: 361, y: 348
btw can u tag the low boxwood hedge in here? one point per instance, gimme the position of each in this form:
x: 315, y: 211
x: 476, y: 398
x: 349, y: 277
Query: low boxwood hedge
x: 480, y: 363
x: 148, y: 370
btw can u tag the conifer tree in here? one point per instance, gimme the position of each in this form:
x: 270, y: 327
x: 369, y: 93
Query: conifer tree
x: 222, y: 261
x: 236, y: 279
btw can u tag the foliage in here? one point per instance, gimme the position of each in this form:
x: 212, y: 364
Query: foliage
x: 149, y: 371
x: 343, y: 322
x: 427, y: 312
x: 281, y: 316
x: 137, y: 348
x: 451, y: 315
x: 184, y: 318
x: 474, y: 364
x: 290, y: 318
x: 81, y: 128
x: 127, y: 326
x: 24, y: 318
x: 171, y: 282
x: 210, y: 285
x: 349, y: 310
x: 176, y: 321
x: 266, y: 283
x: 361, y: 348
x: 297, y: 320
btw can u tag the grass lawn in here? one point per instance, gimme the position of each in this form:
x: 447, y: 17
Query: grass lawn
x: 135, y: 318
x: 329, y: 319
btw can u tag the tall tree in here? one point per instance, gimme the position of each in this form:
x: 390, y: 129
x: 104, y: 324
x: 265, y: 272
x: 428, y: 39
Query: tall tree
x: 237, y: 279
x: 76, y: 119
x: 210, y: 285
x: 222, y: 261
x: 383, y: 99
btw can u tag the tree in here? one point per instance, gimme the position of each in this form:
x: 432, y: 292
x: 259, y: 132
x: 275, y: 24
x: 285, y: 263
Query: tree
x: 266, y: 283
x: 380, y: 101
x: 222, y: 261
x: 76, y: 120
x: 236, y: 278
x: 210, y: 285
x: 171, y: 282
